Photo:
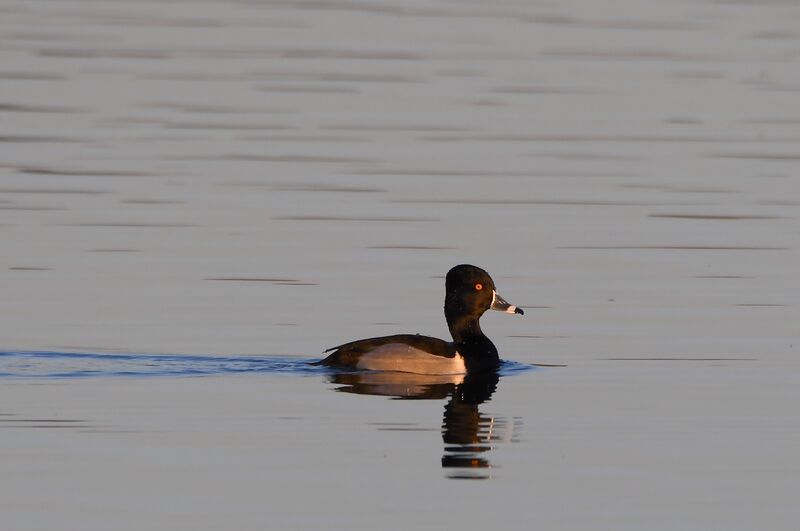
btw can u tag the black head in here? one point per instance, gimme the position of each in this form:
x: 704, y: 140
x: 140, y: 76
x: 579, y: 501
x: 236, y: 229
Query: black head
x: 470, y: 290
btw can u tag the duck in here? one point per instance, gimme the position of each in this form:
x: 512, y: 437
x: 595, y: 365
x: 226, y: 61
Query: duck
x: 469, y: 292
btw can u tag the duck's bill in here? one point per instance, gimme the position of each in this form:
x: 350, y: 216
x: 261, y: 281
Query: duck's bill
x: 502, y: 305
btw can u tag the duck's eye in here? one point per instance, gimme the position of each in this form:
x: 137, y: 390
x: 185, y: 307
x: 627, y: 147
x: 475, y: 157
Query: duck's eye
x: 478, y: 286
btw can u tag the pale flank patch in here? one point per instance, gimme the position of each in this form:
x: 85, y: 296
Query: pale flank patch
x: 400, y: 357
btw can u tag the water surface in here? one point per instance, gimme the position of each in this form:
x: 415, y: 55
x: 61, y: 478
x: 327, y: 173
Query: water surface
x: 263, y: 180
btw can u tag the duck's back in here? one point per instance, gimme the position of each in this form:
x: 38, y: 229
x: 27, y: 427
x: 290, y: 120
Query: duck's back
x: 401, y: 353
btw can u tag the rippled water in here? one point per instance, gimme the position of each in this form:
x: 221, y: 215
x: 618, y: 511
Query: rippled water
x: 263, y: 180
x: 38, y: 364
x: 469, y: 435
x: 76, y: 365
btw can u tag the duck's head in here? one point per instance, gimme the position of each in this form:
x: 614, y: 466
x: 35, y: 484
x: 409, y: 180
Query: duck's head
x: 471, y: 291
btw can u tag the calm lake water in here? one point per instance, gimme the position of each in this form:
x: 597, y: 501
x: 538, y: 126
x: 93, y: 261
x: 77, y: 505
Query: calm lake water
x: 197, y: 198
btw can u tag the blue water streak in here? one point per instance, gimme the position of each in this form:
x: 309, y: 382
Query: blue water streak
x: 46, y: 364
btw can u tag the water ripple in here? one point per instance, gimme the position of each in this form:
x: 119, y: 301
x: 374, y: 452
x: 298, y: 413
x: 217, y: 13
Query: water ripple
x: 44, y: 364
x: 50, y: 364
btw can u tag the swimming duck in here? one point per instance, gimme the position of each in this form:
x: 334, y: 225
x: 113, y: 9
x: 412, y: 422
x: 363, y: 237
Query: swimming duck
x: 470, y: 291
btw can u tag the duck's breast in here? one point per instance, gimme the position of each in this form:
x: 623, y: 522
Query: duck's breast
x: 405, y: 358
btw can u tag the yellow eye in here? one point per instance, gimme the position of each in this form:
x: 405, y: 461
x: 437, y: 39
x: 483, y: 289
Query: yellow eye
x: 478, y: 287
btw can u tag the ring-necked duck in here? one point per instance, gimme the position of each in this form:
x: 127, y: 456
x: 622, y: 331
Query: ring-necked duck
x: 470, y: 291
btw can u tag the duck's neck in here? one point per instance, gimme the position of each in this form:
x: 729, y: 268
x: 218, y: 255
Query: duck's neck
x: 464, y: 327
x: 478, y: 351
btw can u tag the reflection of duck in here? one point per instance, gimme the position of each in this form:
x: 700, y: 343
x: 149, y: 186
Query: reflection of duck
x: 470, y: 291
x: 467, y: 433
x: 401, y: 385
